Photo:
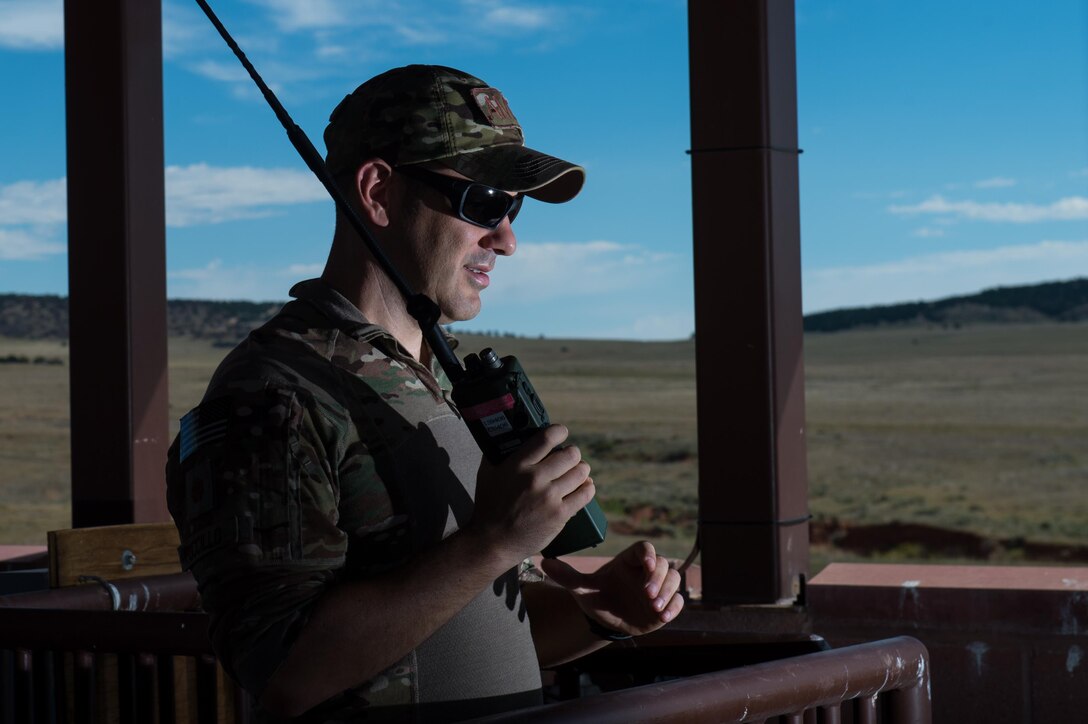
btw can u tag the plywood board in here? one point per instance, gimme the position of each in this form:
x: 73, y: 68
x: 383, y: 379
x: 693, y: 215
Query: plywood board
x: 112, y: 552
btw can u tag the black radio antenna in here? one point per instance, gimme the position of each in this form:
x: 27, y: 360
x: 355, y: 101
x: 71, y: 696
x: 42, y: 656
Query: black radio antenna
x: 421, y: 307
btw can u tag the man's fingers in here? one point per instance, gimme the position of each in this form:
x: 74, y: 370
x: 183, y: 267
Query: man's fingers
x: 537, y: 447
x: 579, y: 498
x: 656, y: 580
x: 675, y: 605
x: 640, y: 555
x: 670, y: 586
x: 561, y: 462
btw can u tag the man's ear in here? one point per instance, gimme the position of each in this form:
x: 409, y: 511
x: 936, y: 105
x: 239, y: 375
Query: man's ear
x: 372, y: 191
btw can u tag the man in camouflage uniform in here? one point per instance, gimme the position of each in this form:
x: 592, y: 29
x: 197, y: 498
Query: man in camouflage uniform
x: 358, y: 558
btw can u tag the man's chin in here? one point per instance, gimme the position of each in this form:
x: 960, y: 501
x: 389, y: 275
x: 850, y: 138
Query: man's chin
x: 462, y: 314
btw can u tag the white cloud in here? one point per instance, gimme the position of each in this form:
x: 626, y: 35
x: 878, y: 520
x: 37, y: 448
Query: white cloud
x: 1066, y: 209
x: 928, y: 232
x: 410, y: 20
x: 498, y: 15
x: 33, y: 202
x: 199, y: 274
x: 549, y: 270
x: 932, y: 276
x: 304, y: 270
x: 277, y: 76
x: 31, y: 216
x: 879, y: 195
x: 998, y: 182
x: 39, y: 25
x: 32, y: 25
x: 196, y: 194
x: 360, y: 31
x: 292, y: 16
x: 658, y: 326
x: 353, y: 28
x: 593, y: 289
x: 327, y: 50
x: 249, y: 281
x: 185, y: 29
x: 225, y: 72
x: 407, y: 16
x: 19, y: 245
x: 203, y: 194
x: 419, y: 35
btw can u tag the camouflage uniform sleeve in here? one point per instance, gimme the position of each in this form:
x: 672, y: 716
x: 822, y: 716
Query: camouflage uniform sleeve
x: 252, y: 488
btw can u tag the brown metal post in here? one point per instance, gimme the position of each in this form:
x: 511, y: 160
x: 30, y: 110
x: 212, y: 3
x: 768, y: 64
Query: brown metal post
x: 116, y: 261
x: 753, y: 492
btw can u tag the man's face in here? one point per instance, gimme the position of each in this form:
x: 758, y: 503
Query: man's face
x: 449, y: 258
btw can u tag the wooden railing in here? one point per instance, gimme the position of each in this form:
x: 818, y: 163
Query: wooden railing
x: 884, y: 682
x: 63, y: 661
x: 117, y: 651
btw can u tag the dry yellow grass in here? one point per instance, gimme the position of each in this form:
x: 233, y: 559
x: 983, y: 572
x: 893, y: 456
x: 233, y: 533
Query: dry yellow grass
x: 35, y: 460
x: 979, y: 429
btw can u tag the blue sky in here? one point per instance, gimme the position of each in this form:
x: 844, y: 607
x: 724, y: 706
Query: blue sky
x: 945, y: 147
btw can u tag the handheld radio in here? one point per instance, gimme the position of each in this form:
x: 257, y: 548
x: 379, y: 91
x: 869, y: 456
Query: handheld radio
x: 494, y: 395
x: 502, y: 410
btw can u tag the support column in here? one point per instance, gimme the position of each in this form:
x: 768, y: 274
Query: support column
x: 116, y: 260
x: 753, y: 492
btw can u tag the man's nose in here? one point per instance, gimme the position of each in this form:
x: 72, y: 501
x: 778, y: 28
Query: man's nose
x: 502, y: 240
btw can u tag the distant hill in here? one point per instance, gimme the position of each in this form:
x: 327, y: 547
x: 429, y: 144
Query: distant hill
x: 46, y: 316
x: 225, y: 322
x: 1049, y: 302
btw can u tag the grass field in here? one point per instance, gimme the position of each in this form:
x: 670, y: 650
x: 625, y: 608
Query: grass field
x: 978, y: 429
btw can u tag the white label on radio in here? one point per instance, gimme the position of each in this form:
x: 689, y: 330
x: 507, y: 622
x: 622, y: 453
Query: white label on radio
x: 496, y: 424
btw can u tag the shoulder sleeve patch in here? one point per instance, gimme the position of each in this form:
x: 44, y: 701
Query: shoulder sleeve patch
x: 245, y: 482
x: 201, y: 425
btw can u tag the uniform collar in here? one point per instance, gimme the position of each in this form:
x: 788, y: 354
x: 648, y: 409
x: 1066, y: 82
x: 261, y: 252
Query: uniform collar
x: 335, y: 307
x: 329, y: 302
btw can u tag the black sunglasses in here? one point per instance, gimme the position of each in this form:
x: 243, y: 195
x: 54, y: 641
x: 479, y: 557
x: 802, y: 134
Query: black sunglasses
x: 473, y: 202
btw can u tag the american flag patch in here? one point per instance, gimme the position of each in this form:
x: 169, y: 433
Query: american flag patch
x: 202, y: 425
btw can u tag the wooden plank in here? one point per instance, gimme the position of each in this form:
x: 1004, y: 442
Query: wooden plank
x: 112, y: 552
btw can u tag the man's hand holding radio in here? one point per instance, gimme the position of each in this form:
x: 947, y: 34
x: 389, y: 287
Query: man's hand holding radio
x: 523, y: 502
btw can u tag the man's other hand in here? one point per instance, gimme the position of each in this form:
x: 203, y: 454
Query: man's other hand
x: 634, y: 593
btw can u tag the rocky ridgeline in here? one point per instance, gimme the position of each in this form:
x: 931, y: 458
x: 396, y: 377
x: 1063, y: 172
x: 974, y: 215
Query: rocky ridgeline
x: 46, y: 317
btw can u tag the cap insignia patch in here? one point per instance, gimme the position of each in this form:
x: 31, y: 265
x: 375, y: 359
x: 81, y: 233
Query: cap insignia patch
x: 495, y: 108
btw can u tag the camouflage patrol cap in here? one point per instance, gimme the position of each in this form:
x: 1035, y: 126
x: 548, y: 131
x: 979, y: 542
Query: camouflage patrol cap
x: 422, y: 113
